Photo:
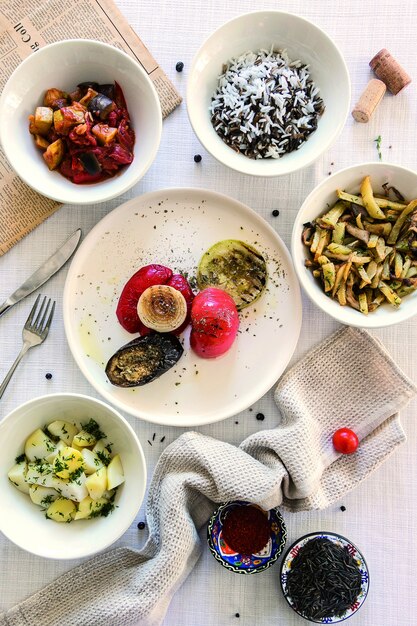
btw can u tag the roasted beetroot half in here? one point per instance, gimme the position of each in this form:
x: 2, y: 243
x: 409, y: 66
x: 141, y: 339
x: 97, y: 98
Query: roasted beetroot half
x: 214, y: 323
x: 143, y: 360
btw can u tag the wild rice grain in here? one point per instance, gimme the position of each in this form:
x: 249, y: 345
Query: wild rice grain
x: 265, y: 104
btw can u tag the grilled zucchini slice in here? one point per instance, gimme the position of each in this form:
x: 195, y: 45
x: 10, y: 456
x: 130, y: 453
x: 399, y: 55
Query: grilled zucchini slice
x: 237, y: 268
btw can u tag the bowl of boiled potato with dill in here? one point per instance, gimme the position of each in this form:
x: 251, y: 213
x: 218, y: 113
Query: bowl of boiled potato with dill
x: 72, y: 476
x: 354, y: 245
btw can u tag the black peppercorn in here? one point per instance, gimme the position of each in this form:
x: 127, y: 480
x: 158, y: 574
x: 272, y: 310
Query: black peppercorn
x: 197, y: 158
x: 179, y: 66
x: 343, y: 508
x: 48, y: 376
x: 275, y: 212
x: 237, y: 615
x: 141, y: 525
x: 260, y: 417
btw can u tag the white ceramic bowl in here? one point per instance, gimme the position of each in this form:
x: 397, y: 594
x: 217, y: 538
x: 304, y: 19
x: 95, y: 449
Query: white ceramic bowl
x: 63, y: 65
x: 24, y: 523
x: 315, y: 204
x: 302, y: 40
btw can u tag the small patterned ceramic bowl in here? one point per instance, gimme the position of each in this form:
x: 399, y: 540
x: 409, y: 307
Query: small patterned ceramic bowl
x: 245, y: 563
x: 292, y: 552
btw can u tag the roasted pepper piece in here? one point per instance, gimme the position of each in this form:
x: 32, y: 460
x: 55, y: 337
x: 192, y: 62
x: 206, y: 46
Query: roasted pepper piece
x: 104, y: 133
x: 54, y: 154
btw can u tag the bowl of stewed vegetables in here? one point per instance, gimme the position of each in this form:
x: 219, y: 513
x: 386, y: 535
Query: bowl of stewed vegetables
x: 80, y: 121
x: 72, y: 476
x: 354, y: 245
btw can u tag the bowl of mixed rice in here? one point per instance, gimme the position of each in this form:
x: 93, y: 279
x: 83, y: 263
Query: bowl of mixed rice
x: 268, y: 93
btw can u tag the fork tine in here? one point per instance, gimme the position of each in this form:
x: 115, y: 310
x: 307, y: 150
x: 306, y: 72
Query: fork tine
x: 42, y: 321
x: 49, y: 320
x: 36, y: 323
x: 32, y: 311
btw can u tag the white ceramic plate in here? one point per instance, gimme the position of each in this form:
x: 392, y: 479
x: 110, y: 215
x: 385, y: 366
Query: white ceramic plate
x: 174, y: 227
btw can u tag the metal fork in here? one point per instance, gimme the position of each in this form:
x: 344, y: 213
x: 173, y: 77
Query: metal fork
x: 34, y: 332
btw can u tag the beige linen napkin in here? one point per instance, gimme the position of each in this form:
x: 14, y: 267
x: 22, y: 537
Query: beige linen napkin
x: 348, y: 380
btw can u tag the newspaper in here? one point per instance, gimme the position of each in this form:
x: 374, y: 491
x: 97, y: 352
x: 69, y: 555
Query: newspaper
x: 26, y: 26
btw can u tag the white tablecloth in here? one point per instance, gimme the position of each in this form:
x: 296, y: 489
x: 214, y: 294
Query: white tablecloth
x: 381, y: 514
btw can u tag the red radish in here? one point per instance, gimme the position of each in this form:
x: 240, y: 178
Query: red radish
x: 126, y: 311
x: 214, y: 323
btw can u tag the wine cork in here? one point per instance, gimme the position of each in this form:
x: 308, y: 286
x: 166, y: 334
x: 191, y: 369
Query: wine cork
x: 390, y: 71
x: 369, y: 100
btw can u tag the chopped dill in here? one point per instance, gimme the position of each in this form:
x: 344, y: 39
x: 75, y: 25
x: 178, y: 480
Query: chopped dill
x: 76, y: 474
x: 59, y: 465
x: 106, y: 509
x: 47, y: 500
x: 93, y: 429
x: 20, y: 458
x: 46, y: 432
x: 104, y: 458
x: 378, y: 142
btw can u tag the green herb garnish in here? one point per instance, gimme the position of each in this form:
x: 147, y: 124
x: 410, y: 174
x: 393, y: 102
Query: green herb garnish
x: 92, y: 428
x: 59, y: 465
x: 103, y: 458
x: 20, y: 458
x: 106, y: 509
x: 378, y: 142
x: 76, y: 474
x: 47, y: 500
x: 46, y: 432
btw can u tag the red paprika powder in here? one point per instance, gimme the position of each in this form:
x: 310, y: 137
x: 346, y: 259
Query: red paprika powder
x: 246, y: 529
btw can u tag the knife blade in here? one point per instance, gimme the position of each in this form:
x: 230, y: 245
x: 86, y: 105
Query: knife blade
x: 44, y: 272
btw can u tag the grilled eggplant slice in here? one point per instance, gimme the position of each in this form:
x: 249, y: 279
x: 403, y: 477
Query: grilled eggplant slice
x: 237, y: 268
x: 143, y: 360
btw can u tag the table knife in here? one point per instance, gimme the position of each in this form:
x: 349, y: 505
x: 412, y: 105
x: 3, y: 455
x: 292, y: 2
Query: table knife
x: 44, y: 272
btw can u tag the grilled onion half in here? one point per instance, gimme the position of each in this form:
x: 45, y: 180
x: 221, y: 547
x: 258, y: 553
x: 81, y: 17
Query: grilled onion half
x: 162, y: 308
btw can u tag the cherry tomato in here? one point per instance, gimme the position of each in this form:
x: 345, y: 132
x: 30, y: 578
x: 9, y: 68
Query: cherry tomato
x: 345, y: 441
x: 214, y: 323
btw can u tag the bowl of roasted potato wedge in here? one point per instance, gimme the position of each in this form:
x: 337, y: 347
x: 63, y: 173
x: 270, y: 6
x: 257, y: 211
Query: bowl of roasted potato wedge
x: 72, y: 476
x: 354, y: 245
